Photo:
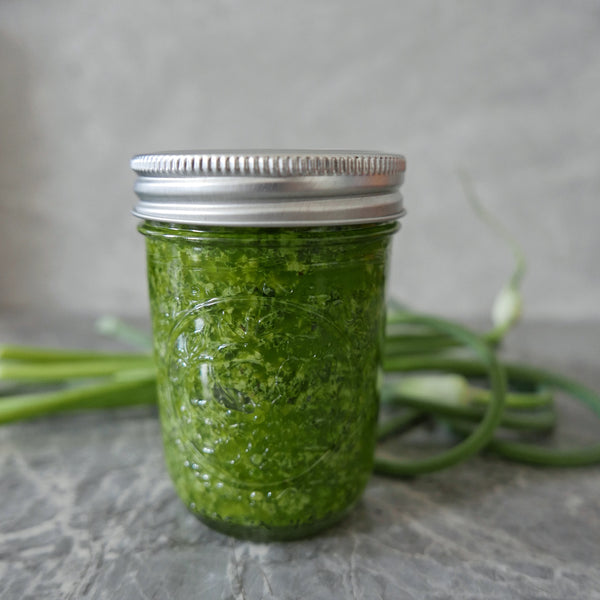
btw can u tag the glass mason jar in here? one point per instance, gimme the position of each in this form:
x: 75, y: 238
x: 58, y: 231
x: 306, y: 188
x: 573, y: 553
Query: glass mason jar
x: 266, y: 274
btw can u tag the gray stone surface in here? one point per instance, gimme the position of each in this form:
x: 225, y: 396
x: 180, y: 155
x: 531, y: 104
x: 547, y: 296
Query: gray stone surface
x: 87, y: 511
x: 508, y: 90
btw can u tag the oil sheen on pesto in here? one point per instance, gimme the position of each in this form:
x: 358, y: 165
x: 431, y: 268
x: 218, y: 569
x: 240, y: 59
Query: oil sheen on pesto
x: 268, y: 349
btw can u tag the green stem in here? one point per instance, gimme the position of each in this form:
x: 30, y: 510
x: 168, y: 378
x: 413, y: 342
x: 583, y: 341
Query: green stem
x: 43, y: 355
x: 535, y: 421
x: 515, y: 400
x: 118, y: 329
x: 62, y: 371
x: 416, y: 344
x: 484, y: 431
x: 526, y: 375
x: 401, y: 423
x: 128, y: 390
x: 507, y: 305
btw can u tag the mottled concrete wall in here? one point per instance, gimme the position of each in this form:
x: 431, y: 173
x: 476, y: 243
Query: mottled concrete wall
x: 509, y: 91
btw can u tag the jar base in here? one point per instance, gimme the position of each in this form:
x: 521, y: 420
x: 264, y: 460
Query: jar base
x: 264, y: 533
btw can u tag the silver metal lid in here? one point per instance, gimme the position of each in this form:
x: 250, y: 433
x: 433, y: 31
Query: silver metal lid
x: 280, y: 188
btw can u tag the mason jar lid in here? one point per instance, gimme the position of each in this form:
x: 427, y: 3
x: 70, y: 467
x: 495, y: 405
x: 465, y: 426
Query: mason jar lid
x: 264, y: 188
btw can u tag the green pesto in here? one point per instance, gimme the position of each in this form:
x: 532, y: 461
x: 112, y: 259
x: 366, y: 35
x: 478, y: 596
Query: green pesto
x: 268, y: 347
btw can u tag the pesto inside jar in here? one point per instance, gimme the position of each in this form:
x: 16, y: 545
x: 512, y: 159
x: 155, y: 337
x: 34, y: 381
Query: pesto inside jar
x: 268, y: 343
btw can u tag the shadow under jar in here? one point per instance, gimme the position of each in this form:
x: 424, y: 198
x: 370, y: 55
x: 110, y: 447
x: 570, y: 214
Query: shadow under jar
x: 267, y: 273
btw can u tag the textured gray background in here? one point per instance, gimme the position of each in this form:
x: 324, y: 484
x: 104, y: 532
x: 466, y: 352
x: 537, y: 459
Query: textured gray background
x: 508, y: 90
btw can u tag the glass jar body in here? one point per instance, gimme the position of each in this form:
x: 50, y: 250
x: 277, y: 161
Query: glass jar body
x: 268, y: 347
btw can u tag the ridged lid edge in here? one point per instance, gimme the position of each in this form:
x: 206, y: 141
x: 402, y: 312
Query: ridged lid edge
x: 293, y: 163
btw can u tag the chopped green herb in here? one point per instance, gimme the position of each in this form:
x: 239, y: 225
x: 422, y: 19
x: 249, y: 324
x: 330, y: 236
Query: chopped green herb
x: 268, y: 348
